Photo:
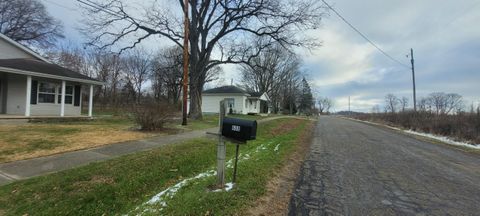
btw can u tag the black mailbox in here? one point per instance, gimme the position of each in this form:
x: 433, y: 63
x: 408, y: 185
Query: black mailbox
x: 239, y: 129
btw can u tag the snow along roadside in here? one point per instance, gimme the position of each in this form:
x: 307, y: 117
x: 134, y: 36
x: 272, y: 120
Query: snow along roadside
x: 156, y: 204
x: 443, y: 139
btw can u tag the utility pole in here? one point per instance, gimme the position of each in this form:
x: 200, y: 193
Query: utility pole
x: 185, y: 63
x: 413, y: 78
x: 349, y: 112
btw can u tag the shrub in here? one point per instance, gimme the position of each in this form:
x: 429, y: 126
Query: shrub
x: 152, y: 115
x: 461, y: 126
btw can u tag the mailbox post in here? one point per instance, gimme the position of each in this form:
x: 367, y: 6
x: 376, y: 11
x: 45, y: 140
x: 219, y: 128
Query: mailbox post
x: 236, y: 130
x: 221, y: 148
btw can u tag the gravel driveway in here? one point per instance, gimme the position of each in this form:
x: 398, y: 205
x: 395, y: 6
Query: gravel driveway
x: 358, y: 169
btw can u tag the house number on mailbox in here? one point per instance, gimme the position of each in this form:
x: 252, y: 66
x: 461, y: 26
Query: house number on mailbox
x: 236, y: 128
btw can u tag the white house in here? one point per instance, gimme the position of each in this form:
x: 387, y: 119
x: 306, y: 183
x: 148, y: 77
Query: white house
x: 237, y: 100
x: 30, y: 85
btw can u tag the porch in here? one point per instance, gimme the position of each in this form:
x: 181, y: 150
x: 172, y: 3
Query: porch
x: 24, y: 96
x: 46, y: 117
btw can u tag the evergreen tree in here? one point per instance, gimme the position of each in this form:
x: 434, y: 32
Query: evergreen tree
x: 306, y: 99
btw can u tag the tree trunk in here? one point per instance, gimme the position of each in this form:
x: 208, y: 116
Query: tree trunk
x: 196, y: 100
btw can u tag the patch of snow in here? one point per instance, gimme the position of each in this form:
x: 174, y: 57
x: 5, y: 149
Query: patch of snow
x: 228, y: 187
x: 444, y: 139
x: 172, y: 190
x: 160, y: 198
x: 276, y: 147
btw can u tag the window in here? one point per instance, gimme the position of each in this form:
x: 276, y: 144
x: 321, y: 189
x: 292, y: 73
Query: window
x: 46, y: 92
x: 68, y: 94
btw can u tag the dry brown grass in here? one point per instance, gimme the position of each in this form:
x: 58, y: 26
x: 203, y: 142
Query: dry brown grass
x: 19, y: 142
x: 281, y: 186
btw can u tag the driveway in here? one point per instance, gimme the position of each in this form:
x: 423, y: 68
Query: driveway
x: 358, y: 169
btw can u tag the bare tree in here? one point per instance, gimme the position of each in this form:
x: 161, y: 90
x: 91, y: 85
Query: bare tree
x: 267, y: 70
x: 74, y: 58
x: 108, y: 67
x: 324, y: 105
x: 137, y: 69
x: 27, y: 22
x: 221, y: 27
x: 424, y: 105
x: 167, y: 74
x: 454, y: 103
x: 404, y: 103
x: 391, y: 103
x: 443, y: 103
x: 376, y: 109
x: 273, y: 71
x: 289, y: 92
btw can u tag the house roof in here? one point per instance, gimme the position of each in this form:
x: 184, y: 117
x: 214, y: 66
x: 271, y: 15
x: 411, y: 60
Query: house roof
x: 43, y: 69
x: 22, y: 47
x: 226, y: 90
x: 255, y: 94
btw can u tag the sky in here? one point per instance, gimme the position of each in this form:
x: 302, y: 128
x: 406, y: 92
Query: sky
x: 444, y: 35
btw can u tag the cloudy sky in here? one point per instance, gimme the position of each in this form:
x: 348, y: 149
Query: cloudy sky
x: 445, y: 36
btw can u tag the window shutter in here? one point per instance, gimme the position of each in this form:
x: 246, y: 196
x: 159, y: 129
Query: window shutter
x: 76, y: 101
x: 33, y: 92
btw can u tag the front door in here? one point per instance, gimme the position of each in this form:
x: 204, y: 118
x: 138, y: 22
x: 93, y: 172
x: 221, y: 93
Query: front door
x: 230, y: 105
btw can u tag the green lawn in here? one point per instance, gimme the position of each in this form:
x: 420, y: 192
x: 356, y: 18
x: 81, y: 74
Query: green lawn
x: 211, y: 120
x: 18, y: 142
x: 123, y: 185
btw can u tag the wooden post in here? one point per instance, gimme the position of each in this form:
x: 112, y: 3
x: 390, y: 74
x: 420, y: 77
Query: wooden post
x: 236, y: 163
x: 185, y: 64
x: 221, y: 149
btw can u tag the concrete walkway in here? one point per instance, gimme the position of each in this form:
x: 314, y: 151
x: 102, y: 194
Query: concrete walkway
x: 18, y: 170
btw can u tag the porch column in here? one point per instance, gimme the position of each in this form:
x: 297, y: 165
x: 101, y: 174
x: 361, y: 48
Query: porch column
x: 28, y: 96
x: 90, y: 101
x: 62, y: 105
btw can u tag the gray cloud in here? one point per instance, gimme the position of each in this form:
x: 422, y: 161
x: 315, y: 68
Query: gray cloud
x: 444, y: 35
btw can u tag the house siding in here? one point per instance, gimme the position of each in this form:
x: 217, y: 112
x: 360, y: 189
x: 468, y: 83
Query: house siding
x: 254, y: 107
x: 211, y: 103
x: 53, y: 110
x: 16, y: 93
x: 16, y: 96
x: 8, y: 51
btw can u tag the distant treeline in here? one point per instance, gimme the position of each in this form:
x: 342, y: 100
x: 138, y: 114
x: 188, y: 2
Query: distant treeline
x: 439, y: 113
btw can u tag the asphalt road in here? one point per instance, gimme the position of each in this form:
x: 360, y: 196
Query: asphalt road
x: 358, y: 169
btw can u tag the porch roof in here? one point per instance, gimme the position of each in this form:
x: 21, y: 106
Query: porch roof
x: 43, y: 69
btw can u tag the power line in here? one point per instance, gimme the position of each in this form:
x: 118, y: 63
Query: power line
x: 114, y: 13
x: 60, y: 5
x: 365, y: 37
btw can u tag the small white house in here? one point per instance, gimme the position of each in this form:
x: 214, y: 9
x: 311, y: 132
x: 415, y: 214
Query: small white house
x: 238, y: 100
x: 30, y: 85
